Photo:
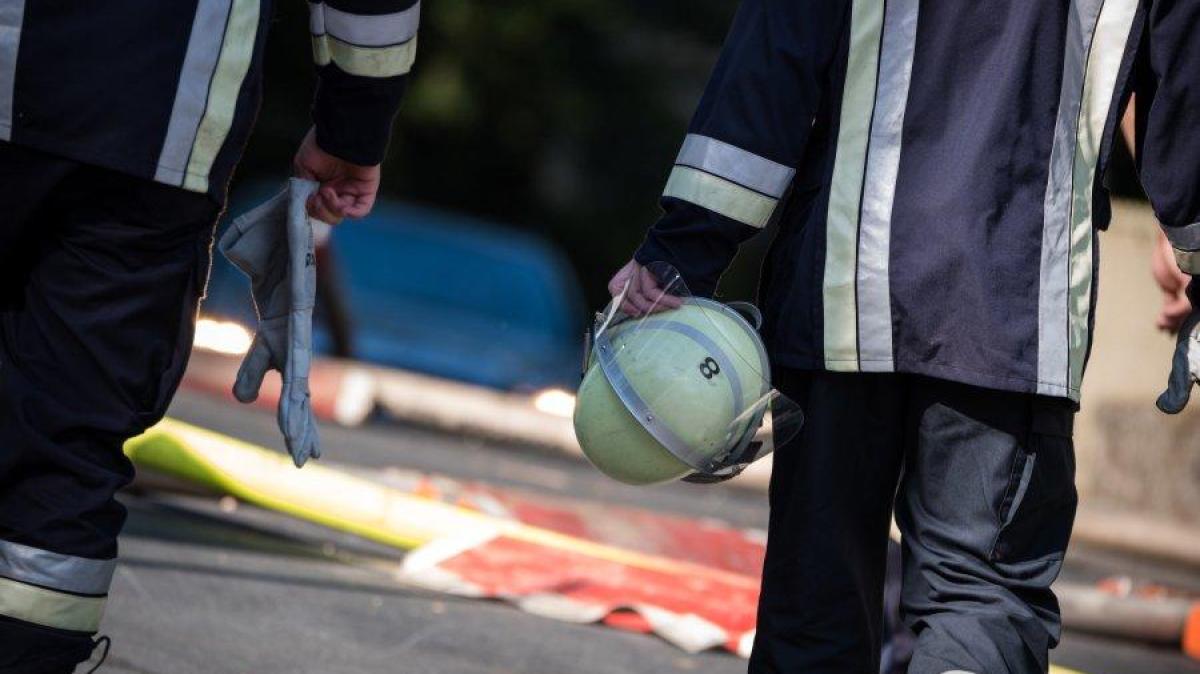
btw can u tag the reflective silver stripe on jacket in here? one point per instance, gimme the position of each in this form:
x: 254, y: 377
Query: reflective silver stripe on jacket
x: 191, y: 96
x: 12, y: 14
x: 1097, y: 33
x: 78, y: 575
x: 874, y: 297
x: 856, y: 285
x: 839, y: 278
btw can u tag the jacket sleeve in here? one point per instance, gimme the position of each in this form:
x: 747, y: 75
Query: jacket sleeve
x: 363, y: 50
x: 747, y: 136
x: 1168, y: 110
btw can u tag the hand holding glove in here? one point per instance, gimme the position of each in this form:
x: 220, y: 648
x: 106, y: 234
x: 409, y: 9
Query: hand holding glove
x: 273, y: 245
x: 1185, y: 365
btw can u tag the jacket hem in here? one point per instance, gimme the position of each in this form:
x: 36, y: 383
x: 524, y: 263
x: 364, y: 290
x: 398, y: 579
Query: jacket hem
x: 137, y: 169
x: 939, y: 370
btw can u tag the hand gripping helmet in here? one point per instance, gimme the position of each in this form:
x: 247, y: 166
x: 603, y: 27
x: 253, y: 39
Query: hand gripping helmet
x: 679, y: 393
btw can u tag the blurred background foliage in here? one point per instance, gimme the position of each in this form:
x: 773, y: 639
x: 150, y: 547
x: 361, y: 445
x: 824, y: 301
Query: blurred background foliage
x: 560, y: 117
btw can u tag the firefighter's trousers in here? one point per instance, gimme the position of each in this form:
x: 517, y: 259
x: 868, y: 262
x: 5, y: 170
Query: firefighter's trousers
x: 100, y: 275
x: 982, y: 483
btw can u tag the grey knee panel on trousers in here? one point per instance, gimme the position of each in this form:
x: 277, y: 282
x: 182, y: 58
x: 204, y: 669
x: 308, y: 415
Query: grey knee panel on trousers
x: 983, y: 487
x: 985, y: 506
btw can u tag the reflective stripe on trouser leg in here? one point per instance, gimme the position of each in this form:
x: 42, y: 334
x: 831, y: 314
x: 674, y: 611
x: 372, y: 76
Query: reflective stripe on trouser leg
x: 52, y: 589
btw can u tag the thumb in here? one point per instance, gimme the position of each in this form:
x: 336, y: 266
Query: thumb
x: 250, y: 374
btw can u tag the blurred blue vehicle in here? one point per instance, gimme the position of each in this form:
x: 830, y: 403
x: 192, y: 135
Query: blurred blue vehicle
x: 437, y: 293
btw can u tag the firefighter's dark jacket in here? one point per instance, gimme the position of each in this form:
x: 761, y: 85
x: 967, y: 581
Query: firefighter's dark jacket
x: 936, y: 170
x: 169, y: 90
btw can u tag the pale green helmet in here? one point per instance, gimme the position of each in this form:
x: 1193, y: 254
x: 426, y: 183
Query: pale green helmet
x: 675, y: 394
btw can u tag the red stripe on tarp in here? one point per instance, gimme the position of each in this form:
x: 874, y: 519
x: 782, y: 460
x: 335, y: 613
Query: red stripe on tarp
x: 693, y: 612
x: 707, y: 542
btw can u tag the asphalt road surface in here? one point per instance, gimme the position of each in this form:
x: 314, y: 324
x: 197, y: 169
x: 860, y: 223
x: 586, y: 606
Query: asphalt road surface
x: 210, y: 586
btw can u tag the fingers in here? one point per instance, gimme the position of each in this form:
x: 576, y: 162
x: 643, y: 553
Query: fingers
x: 661, y: 301
x: 1174, y: 311
x: 324, y: 206
x: 359, y: 205
x: 332, y: 203
x: 1164, y: 268
x: 643, y: 296
x: 301, y: 170
x: 647, y: 297
x: 617, y: 284
x: 636, y: 299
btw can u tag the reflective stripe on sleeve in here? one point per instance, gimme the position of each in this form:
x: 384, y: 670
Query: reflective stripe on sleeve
x: 1184, y: 238
x: 720, y: 196
x: 365, y: 61
x: 79, y: 575
x: 374, y: 30
x: 46, y: 607
x: 1188, y: 260
x: 735, y: 165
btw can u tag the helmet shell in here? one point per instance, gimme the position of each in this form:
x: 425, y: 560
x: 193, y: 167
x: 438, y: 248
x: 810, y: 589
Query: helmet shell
x: 687, y: 375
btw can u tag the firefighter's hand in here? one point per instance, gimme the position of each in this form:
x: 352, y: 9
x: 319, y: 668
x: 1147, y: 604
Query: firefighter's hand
x: 642, y: 292
x: 1173, y: 284
x: 347, y: 190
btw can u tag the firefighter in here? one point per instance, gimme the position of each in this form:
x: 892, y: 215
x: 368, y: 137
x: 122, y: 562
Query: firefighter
x: 936, y: 173
x: 120, y: 127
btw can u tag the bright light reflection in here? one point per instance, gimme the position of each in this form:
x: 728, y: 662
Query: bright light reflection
x: 222, y: 337
x: 555, y: 401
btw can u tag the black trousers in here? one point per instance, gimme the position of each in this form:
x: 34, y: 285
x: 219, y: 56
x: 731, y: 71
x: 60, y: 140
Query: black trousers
x: 983, y: 487
x: 100, y: 277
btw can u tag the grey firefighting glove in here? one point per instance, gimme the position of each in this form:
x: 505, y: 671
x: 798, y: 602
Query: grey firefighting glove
x: 1185, y: 365
x: 273, y: 245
